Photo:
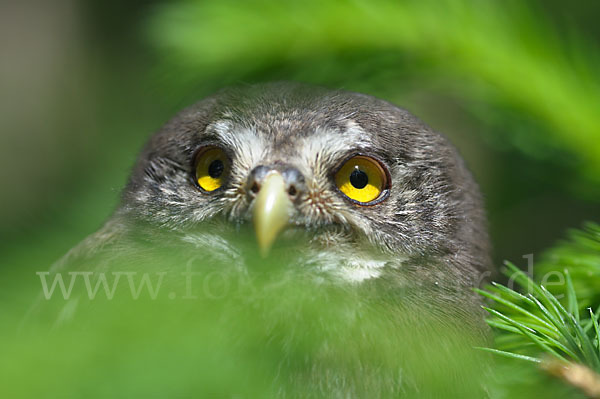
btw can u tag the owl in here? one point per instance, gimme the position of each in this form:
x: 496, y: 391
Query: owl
x: 337, y: 182
x: 363, y: 184
x: 363, y: 226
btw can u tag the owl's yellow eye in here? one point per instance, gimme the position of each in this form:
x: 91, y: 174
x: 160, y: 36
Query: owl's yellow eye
x: 362, y: 179
x: 212, y: 168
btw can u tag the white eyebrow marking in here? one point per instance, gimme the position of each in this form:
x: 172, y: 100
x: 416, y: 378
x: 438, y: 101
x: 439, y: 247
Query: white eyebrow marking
x: 356, y: 133
x: 248, y: 146
x: 326, y: 146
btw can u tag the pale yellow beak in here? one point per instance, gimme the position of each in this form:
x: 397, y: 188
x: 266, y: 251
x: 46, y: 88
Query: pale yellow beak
x: 272, y: 208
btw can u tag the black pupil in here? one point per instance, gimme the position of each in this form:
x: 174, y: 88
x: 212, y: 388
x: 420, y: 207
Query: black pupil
x: 358, y: 178
x: 215, y: 169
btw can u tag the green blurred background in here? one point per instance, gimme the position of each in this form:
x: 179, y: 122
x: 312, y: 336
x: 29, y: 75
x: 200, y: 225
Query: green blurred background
x: 515, y: 86
x: 83, y: 84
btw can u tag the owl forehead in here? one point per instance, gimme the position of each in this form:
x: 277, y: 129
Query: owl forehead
x: 288, y: 140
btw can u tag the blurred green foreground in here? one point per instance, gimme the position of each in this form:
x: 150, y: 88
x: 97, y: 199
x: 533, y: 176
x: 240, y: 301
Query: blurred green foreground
x: 514, y: 85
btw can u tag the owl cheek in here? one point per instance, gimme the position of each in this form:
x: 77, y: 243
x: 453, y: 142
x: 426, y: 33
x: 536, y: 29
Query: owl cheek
x: 322, y: 207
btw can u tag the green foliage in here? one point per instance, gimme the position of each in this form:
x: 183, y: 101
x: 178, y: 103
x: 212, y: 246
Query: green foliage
x: 534, y: 325
x: 270, y: 331
x: 580, y: 256
x: 515, y: 78
x: 537, y: 323
x: 317, y: 337
x: 499, y: 52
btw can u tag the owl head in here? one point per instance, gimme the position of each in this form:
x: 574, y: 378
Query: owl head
x: 340, y: 173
